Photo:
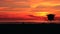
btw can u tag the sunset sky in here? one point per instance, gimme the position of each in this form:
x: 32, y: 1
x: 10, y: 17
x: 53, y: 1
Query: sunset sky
x: 23, y: 8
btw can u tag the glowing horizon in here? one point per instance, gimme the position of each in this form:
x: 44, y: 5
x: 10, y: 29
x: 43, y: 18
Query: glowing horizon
x: 23, y: 8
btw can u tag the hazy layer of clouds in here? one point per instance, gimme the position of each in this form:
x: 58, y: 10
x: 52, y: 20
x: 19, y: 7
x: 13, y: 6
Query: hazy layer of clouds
x: 14, y: 6
x: 36, y: 5
x: 19, y: 4
x: 6, y: 3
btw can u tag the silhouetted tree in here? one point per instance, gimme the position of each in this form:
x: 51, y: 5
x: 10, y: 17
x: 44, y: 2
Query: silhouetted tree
x: 50, y: 17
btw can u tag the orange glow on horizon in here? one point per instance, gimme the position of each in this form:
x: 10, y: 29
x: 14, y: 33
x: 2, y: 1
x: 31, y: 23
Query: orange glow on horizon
x: 41, y: 14
x: 23, y: 8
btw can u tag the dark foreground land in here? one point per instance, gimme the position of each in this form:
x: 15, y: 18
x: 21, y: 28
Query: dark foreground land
x: 28, y: 23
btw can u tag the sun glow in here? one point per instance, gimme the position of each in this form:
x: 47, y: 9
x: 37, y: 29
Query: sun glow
x: 41, y: 14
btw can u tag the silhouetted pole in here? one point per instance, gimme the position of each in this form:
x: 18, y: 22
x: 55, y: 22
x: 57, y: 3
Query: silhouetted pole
x: 50, y: 17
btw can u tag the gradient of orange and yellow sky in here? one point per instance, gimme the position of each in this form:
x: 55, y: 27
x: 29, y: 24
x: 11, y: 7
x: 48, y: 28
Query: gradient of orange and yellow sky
x: 23, y: 8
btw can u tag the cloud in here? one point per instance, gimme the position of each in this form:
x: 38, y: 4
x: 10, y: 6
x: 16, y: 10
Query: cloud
x: 56, y: 7
x: 14, y: 3
x: 30, y: 5
x: 36, y: 3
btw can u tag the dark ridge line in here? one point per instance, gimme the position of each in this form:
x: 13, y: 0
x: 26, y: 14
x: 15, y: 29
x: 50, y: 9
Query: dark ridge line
x: 26, y: 23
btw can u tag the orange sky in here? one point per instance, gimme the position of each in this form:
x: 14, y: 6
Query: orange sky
x: 22, y: 8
